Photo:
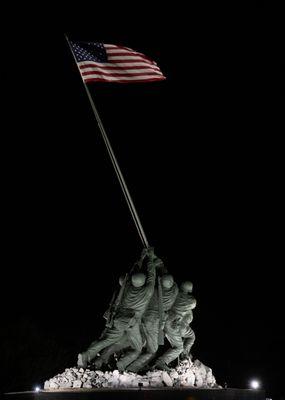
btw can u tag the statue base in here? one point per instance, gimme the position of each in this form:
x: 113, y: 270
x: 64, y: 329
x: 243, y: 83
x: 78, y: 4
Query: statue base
x: 141, y: 394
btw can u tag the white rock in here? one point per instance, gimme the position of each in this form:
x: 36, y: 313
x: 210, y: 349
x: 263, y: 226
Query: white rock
x: 46, y: 385
x: 134, y: 383
x: 145, y: 383
x: 67, y: 384
x: 173, y: 374
x: 116, y: 373
x: 87, y: 385
x: 113, y: 382
x: 183, y: 381
x: 53, y: 385
x: 166, y: 379
x: 200, y: 373
x: 77, y: 384
x: 155, y: 378
x: 190, y: 378
x: 124, y: 380
x: 187, y: 374
x: 70, y: 374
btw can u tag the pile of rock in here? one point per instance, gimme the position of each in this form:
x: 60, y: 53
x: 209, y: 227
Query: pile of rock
x: 186, y: 374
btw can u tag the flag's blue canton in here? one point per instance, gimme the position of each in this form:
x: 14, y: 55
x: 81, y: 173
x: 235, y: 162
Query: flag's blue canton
x: 88, y: 51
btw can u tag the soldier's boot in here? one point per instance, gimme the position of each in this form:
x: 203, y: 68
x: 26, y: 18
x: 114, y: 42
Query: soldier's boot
x: 98, y: 363
x: 186, y: 353
x: 161, y: 365
x: 134, y: 369
x: 141, y: 362
x: 127, y: 359
x: 82, y: 360
x: 185, y: 356
x: 121, y: 366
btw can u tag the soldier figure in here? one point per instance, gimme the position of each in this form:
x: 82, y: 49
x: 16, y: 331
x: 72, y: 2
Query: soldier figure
x: 104, y: 357
x: 177, y: 326
x: 151, y: 321
x: 188, y: 335
x: 127, y: 317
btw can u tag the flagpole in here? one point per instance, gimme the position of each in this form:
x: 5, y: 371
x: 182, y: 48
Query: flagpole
x: 118, y: 171
x: 114, y: 162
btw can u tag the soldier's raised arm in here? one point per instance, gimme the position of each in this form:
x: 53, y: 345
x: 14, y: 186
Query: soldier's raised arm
x: 152, y: 265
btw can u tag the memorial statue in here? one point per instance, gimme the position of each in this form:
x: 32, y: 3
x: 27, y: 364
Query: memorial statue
x: 127, y: 319
x: 177, y: 329
x: 146, y: 307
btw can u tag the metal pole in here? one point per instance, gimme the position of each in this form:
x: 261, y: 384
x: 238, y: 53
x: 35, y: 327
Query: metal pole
x: 115, y: 163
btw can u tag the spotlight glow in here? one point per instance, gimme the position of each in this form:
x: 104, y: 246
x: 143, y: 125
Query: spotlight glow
x: 37, y: 389
x: 254, y: 384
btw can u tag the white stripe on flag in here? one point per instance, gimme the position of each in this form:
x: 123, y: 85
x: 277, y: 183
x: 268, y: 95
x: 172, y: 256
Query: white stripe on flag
x: 127, y: 78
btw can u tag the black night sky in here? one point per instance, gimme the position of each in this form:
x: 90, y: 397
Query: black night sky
x: 201, y: 154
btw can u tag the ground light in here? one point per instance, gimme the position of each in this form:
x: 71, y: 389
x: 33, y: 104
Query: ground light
x: 254, y: 384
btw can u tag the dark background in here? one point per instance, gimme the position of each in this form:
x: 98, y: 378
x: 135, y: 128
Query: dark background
x: 201, y: 153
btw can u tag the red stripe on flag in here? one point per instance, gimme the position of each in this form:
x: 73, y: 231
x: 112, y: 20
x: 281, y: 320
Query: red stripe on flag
x: 116, y: 67
x: 124, y: 81
x: 119, y: 75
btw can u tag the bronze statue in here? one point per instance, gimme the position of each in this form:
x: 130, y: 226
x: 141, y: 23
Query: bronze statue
x: 145, y: 308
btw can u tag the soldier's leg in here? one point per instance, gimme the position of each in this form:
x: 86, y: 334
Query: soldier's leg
x: 176, y: 342
x: 150, y: 330
x: 136, y: 344
x: 110, y: 350
x: 189, y: 339
x: 111, y: 336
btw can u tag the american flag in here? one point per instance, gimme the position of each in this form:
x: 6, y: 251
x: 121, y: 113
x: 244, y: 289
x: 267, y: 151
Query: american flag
x: 109, y: 63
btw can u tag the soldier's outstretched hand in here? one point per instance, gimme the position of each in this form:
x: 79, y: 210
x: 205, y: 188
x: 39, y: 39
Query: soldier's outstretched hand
x: 150, y: 252
x: 144, y: 252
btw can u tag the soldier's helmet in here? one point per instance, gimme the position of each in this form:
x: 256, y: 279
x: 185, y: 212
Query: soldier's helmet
x: 193, y: 303
x: 167, y: 281
x: 187, y: 287
x: 138, y: 279
x: 121, y: 280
